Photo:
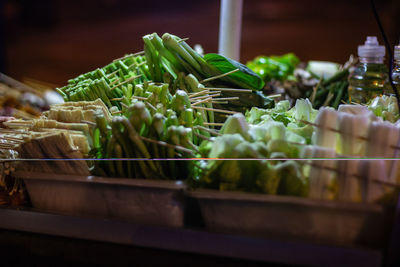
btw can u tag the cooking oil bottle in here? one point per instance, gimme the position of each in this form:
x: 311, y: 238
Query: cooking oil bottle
x: 396, y: 67
x: 370, y: 77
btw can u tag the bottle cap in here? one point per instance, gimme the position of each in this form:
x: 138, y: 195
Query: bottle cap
x: 371, y: 48
x: 397, y: 52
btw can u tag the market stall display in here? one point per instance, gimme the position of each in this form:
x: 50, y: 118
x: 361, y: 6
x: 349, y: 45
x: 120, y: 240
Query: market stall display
x: 204, y: 125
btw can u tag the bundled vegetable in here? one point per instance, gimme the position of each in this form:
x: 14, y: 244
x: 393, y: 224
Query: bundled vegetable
x: 143, y: 136
x: 330, y: 92
x: 169, y: 59
x: 255, y: 144
x: 55, y: 145
x: 73, y: 119
x: 170, y: 55
x: 173, y: 55
x: 265, y: 140
x: 163, y: 104
x: 252, y: 174
x: 278, y: 68
x: 158, y: 126
x: 112, y: 81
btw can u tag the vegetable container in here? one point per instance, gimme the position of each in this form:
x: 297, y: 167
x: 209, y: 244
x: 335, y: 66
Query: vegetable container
x: 135, y: 200
x: 294, y: 218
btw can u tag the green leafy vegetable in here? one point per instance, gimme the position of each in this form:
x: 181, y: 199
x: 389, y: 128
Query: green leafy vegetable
x: 275, y: 67
x: 244, y: 78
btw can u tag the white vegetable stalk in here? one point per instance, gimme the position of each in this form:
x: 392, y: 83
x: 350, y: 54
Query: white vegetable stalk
x: 348, y: 182
x: 230, y: 27
x: 383, y: 137
x: 374, y: 170
x: 326, y: 118
x: 352, y: 127
x: 322, y: 177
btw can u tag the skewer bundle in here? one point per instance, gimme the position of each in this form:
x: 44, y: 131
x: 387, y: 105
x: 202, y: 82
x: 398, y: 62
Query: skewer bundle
x: 353, y: 132
x: 353, y: 157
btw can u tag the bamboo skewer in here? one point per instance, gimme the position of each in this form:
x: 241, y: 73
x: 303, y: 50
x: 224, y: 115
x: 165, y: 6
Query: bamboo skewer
x: 112, y: 73
x: 5, y: 131
x: 274, y: 95
x: 227, y: 98
x: 217, y: 110
x: 137, y: 54
x: 183, y: 40
x: 128, y: 80
x: 8, y: 135
x: 206, y: 100
x: 359, y: 104
x: 117, y: 99
x: 12, y: 138
x: 115, y: 81
x: 199, y: 98
x: 328, y: 99
x: 139, y: 97
x: 229, y: 89
x: 11, y: 124
x: 124, y: 105
x: 161, y: 143
x: 129, y: 55
x: 194, y: 147
x: 219, y: 76
x: 202, y: 136
x: 207, y: 130
x: 137, y: 65
x: 89, y: 122
x: 151, y: 106
x: 10, y: 142
x: 17, y: 122
x: 213, y: 123
x: 315, y: 89
x: 11, y: 147
x: 198, y: 93
x: 205, y: 96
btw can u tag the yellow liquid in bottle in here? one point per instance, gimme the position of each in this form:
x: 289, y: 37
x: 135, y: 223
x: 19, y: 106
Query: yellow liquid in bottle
x: 367, y: 81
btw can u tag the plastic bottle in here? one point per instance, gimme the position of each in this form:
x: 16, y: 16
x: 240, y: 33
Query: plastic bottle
x: 370, y: 76
x: 396, y: 67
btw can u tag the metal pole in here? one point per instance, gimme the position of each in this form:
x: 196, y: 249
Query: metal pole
x: 230, y: 27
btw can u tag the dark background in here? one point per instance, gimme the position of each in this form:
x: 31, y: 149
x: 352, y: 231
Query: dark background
x: 54, y: 40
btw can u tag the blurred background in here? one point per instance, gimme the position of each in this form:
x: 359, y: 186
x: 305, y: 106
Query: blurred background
x: 53, y: 40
